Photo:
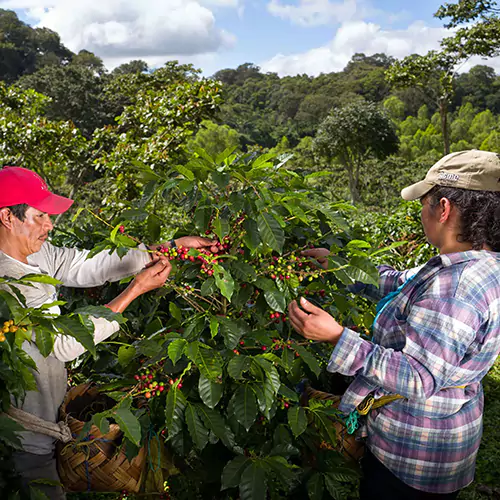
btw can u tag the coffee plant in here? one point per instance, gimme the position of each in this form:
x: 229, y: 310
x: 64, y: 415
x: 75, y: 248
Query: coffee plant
x: 207, y: 372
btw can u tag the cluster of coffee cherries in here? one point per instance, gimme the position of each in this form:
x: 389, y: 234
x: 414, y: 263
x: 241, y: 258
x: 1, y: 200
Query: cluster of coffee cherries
x: 278, y: 317
x: 283, y: 269
x: 150, y: 384
x: 8, y: 326
x: 184, y: 254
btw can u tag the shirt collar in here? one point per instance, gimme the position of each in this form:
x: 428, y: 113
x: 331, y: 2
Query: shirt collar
x: 450, y: 259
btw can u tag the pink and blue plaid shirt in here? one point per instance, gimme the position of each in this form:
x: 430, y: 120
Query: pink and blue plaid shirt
x: 440, y: 331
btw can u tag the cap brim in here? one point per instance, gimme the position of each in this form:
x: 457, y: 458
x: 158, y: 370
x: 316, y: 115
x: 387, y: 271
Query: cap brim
x: 417, y: 190
x: 53, y: 204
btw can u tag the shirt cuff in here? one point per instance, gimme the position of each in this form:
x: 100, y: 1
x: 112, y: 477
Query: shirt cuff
x: 349, y: 354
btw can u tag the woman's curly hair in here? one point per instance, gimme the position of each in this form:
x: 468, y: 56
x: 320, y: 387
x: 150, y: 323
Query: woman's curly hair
x: 479, y: 214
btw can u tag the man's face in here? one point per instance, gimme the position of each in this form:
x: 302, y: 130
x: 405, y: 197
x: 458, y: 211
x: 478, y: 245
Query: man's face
x: 33, y: 231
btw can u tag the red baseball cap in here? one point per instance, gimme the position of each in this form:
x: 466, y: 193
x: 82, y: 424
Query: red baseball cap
x: 20, y: 185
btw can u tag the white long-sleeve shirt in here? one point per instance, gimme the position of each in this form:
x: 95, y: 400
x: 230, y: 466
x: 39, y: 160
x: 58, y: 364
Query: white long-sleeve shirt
x: 73, y: 269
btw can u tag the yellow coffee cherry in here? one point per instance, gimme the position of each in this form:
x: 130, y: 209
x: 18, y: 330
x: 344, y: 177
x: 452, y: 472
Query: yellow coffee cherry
x: 11, y: 321
x: 2, y: 337
x: 13, y: 329
x: 5, y: 329
x: 6, y: 323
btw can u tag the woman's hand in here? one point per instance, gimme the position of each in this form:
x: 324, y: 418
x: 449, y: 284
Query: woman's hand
x: 314, y: 323
x: 197, y: 242
x: 154, y: 275
x: 320, y: 254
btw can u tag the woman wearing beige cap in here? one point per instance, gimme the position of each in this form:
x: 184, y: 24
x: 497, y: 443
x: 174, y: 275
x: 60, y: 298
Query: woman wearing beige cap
x: 436, y: 335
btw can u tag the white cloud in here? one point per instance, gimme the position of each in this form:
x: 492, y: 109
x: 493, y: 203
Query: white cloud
x: 130, y: 29
x: 354, y: 37
x: 317, y: 12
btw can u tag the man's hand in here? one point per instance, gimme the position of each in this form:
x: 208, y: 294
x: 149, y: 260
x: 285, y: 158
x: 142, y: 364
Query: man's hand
x: 314, y: 323
x: 320, y: 254
x: 154, y: 275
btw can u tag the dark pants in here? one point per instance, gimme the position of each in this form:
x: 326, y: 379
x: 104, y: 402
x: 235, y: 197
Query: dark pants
x: 32, y: 467
x: 379, y: 482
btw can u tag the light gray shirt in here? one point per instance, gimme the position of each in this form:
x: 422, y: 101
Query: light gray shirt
x: 73, y: 269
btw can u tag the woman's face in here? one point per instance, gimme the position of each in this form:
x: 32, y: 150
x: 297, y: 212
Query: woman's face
x: 430, y: 222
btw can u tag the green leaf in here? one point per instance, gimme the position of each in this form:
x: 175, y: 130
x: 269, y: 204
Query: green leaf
x: 265, y: 284
x: 333, y: 486
x: 129, y: 424
x: 208, y: 360
x: 281, y: 468
x: 208, y: 287
x: 214, y: 326
x: 176, y: 350
x: 231, y: 475
x: 8, y: 429
x: 15, y: 308
x: 100, y: 312
x: 175, y: 312
x: 185, y: 172
x: 40, y: 278
x: 125, y: 355
x: 297, y: 420
x: 202, y: 218
x: 174, y: 410
x: 210, y: 391
x: 238, y: 365
x: 74, y: 327
x: 232, y: 331
x: 315, y: 487
x: 101, y: 421
x: 309, y: 359
x: 253, y: 484
x: 252, y: 237
x: 37, y: 494
x: 245, y: 406
x: 135, y: 214
x: 363, y: 270
x: 270, y: 231
x: 154, y: 227
x: 221, y: 227
x: 276, y: 300
x: 198, y: 432
x: 224, y: 281
x: 243, y: 271
x: 214, y: 421
x: 44, y: 340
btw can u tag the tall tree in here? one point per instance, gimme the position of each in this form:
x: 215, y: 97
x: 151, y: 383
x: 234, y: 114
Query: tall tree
x: 433, y: 74
x: 353, y: 134
x: 477, y: 28
x: 24, y: 49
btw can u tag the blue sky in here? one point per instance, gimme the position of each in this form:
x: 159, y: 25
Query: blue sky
x: 285, y: 36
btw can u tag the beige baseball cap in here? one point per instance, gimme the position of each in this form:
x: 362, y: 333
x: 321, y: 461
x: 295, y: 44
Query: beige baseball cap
x: 474, y: 169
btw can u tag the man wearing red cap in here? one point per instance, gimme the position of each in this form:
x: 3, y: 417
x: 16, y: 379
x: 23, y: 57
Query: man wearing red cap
x: 26, y: 205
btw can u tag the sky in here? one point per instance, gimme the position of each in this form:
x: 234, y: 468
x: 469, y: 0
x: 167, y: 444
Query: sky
x: 288, y: 37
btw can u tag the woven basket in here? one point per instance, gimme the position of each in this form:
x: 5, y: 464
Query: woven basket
x: 347, y: 444
x: 100, y: 465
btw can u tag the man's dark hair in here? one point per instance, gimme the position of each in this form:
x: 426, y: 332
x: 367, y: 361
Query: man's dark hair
x: 479, y: 214
x: 19, y: 211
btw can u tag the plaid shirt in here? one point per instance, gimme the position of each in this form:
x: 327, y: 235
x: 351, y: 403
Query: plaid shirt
x: 441, y: 331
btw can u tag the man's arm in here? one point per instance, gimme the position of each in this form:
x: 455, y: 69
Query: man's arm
x: 72, y: 267
x: 153, y: 276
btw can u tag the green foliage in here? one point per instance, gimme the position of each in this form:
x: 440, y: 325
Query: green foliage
x: 214, y: 139
x: 353, y: 134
